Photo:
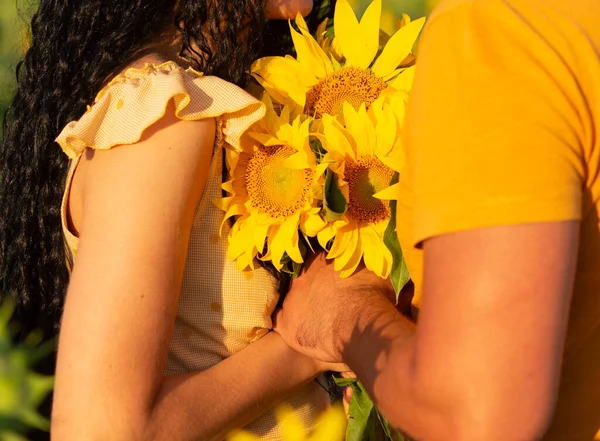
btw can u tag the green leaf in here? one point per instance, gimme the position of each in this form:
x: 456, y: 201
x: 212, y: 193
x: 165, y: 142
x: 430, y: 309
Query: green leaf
x: 399, y: 275
x: 334, y: 202
x: 365, y: 422
x: 343, y: 382
x: 384, y: 423
x: 317, y: 147
x: 359, y: 412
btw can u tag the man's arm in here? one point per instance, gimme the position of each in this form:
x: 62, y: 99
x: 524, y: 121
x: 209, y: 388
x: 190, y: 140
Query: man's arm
x: 484, y: 362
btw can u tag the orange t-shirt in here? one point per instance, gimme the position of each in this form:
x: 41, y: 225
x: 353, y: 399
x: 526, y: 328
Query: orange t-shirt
x: 503, y: 128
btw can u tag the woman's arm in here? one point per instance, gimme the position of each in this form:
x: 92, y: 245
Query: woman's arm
x: 134, y: 221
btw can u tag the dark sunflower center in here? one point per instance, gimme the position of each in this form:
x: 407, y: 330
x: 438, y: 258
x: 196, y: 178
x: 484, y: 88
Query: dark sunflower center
x: 350, y: 84
x: 366, y: 177
x: 274, y: 188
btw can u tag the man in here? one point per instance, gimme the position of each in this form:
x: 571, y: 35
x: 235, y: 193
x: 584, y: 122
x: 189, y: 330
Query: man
x: 498, y: 219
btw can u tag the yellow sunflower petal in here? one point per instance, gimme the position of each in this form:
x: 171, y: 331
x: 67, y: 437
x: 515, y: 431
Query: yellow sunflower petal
x: 398, y: 48
x: 278, y: 95
x: 350, y: 235
x: 295, y: 135
x: 312, y: 224
x: 405, y: 80
x: 386, y: 129
x: 270, y: 254
x: 336, y: 162
x: 293, y: 250
x: 320, y: 170
x: 392, y: 75
x: 348, y: 33
x: 260, y: 235
x: 373, y: 250
x: 270, y: 122
x: 330, y: 425
x: 361, y: 129
x: 397, y: 100
x: 235, y: 209
x: 308, y: 52
x: 300, y: 161
x: 353, y: 261
x: 395, y: 162
x: 284, y: 116
x: 245, y: 262
x: 325, y: 235
x: 228, y: 187
x: 404, y: 20
x: 292, y: 428
x: 336, y: 51
x: 369, y: 27
x: 337, y: 139
x: 285, y: 74
x: 265, y: 138
x: 232, y: 156
x: 280, y: 239
x: 388, y: 194
x: 240, y: 244
x: 222, y: 203
x: 343, y: 235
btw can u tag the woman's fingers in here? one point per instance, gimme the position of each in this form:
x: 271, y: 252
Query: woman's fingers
x: 346, y: 400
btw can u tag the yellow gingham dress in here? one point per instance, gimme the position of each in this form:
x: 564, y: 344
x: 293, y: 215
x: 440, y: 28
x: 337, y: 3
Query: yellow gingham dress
x: 220, y: 309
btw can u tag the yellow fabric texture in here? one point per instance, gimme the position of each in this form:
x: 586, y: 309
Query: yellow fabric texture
x: 502, y: 129
x: 221, y: 310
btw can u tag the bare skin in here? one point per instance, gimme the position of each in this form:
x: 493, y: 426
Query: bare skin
x: 120, y: 309
x: 287, y: 9
x: 484, y: 362
x: 132, y: 208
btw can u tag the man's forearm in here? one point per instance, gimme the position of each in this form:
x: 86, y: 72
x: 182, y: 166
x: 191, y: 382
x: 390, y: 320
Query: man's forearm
x: 381, y: 353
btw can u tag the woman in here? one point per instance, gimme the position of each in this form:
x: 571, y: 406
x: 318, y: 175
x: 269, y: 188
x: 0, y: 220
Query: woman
x: 150, y: 291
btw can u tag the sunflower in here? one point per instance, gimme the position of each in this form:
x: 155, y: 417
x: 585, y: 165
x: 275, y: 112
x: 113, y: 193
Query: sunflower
x: 350, y: 68
x: 275, y: 191
x: 364, y: 154
x: 330, y: 426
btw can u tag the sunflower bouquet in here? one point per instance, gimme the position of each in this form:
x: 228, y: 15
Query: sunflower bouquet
x: 320, y: 170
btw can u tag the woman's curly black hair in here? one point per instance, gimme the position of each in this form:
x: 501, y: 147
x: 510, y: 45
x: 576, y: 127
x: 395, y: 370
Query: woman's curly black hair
x: 76, y: 48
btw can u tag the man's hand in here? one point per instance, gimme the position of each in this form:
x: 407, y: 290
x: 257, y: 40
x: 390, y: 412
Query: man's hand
x: 322, y: 310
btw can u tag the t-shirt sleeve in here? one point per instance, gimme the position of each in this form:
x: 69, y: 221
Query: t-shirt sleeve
x: 494, y: 131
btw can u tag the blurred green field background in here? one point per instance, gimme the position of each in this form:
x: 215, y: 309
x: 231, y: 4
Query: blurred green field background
x: 9, y: 48
x: 13, y: 25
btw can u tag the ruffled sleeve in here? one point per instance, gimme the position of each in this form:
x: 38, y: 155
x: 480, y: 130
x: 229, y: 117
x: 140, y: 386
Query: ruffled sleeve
x: 135, y: 100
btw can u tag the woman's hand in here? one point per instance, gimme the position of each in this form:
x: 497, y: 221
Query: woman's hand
x: 347, y: 398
